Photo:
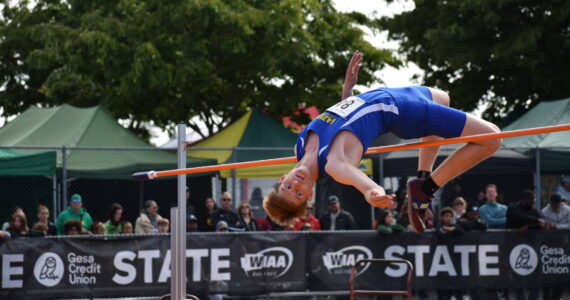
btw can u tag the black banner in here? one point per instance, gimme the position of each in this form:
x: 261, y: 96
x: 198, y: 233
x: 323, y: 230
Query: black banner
x: 262, y: 262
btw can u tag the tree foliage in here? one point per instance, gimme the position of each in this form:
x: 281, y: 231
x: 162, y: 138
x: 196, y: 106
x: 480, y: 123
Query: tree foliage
x: 167, y: 61
x: 507, y: 54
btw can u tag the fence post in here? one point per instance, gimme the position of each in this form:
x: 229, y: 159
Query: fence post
x: 54, y: 191
x: 178, y: 232
x: 64, y: 177
x: 537, y: 182
x: 234, y: 175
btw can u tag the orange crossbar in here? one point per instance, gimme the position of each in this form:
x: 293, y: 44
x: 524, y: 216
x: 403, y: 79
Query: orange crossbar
x: 284, y: 160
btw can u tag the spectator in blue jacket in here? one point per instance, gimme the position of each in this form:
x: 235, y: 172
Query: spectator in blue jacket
x: 494, y: 214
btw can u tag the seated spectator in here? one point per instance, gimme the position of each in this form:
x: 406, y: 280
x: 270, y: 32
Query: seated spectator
x: 493, y: 214
x: 114, y: 219
x: 98, y: 228
x: 127, y: 227
x: 246, y: 220
x: 163, y: 225
x: 74, y: 211
x: 18, y: 226
x: 191, y: 223
x: 147, y: 221
x: 225, y: 212
x: 523, y: 216
x: 308, y: 218
x: 387, y: 224
x: 43, y: 218
x: 445, y: 226
x: 459, y: 207
x: 39, y: 230
x: 557, y: 213
x: 336, y: 218
x: 563, y: 189
x: 72, y: 227
x: 470, y: 220
x: 207, y: 222
x: 15, y: 211
x: 222, y: 226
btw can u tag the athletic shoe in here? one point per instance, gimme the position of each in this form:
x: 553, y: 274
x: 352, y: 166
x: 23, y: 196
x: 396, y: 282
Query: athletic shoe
x: 418, y: 202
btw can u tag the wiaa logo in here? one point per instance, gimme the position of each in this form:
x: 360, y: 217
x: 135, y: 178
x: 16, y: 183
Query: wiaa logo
x: 523, y: 259
x: 48, y: 269
x: 273, y: 262
x: 342, y: 261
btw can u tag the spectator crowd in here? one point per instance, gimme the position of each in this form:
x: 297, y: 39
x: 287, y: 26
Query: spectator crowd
x: 484, y: 212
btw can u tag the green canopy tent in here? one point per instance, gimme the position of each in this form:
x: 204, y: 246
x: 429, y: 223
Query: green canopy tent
x: 554, y: 147
x: 253, y: 129
x: 71, y: 127
x: 15, y: 163
x: 33, y: 170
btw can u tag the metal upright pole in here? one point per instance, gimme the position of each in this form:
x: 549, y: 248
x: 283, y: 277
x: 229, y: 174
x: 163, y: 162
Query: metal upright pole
x: 64, y: 177
x: 234, y: 175
x: 537, y: 183
x: 178, y: 234
x: 55, y: 210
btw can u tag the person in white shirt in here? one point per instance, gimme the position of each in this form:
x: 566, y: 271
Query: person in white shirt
x: 557, y: 213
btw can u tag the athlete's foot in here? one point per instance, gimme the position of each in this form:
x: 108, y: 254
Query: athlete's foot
x: 418, y: 202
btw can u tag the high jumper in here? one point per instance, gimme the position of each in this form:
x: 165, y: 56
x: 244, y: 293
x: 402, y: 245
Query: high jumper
x: 335, y: 141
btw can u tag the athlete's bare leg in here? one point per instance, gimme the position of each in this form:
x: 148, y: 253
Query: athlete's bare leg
x: 470, y: 154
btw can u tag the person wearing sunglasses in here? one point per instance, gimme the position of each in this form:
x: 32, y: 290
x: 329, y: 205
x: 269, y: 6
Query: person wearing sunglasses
x: 226, y: 212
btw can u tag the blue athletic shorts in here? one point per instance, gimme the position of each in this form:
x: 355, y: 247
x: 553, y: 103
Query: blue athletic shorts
x: 419, y: 116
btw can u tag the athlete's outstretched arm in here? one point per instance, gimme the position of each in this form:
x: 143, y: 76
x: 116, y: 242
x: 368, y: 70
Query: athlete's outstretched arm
x: 351, y: 76
x: 346, y: 173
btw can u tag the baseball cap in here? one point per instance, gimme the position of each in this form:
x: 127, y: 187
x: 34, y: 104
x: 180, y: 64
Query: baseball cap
x: 332, y: 199
x: 76, y: 198
x: 222, y: 225
x: 191, y: 217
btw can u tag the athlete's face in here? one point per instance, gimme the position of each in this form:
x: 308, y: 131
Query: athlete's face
x: 296, y: 185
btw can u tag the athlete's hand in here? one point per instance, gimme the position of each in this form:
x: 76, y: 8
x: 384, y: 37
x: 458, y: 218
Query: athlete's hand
x: 380, y: 199
x: 352, y: 71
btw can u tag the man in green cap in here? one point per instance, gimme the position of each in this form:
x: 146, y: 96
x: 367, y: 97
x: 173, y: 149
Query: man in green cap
x: 74, y: 211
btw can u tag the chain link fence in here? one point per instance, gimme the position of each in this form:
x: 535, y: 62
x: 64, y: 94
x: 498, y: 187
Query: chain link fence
x: 102, y: 177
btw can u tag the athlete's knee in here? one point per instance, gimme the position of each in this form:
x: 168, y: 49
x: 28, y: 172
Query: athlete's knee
x: 440, y: 97
x: 493, y: 144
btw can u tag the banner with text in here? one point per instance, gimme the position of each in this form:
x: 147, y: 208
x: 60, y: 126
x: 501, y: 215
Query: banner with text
x: 263, y: 262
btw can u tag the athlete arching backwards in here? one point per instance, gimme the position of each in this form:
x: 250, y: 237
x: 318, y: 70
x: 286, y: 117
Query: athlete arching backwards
x: 335, y: 141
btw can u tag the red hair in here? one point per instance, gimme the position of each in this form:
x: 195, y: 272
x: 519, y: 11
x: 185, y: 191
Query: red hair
x: 282, y: 210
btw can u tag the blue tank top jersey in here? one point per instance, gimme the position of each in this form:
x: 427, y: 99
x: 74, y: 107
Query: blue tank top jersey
x: 367, y: 115
x: 408, y: 112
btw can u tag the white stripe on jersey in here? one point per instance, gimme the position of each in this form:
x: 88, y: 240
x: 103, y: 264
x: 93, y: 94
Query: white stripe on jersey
x: 323, y: 149
x: 372, y: 108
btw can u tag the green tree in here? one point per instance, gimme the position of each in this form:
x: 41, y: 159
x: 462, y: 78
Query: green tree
x: 168, y: 61
x: 507, y: 54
